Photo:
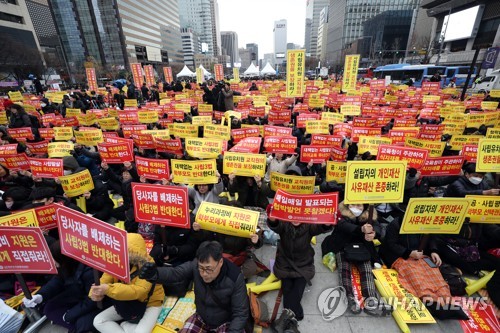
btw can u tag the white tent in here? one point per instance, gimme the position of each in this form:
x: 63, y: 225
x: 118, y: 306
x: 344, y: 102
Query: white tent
x: 252, y: 70
x: 205, y: 72
x: 268, y: 70
x: 185, y: 72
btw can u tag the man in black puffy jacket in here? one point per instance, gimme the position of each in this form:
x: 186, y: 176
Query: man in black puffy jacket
x: 472, y: 183
x: 220, y: 291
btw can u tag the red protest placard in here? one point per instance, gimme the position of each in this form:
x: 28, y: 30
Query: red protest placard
x: 115, y: 153
x: 46, y: 216
x: 128, y: 117
x: 145, y: 141
x: 377, y: 85
x: 277, y: 131
x: 398, y: 136
x: 8, y: 149
x: 152, y: 168
x: 482, y: 319
x: 38, y: 148
x: 158, y: 204
x: 326, y: 140
x: 363, y: 122
x: 280, y: 144
x: 247, y: 145
x: 128, y: 130
x: 241, y: 133
x: 431, y: 87
x: 404, y: 122
x: 24, y: 250
x: 316, y: 154
x: 414, y: 156
x: 304, y: 117
x: 338, y: 154
x: 169, y: 146
x: 70, y: 122
x: 175, y: 114
x: 21, y: 134
x: 93, y: 242
x: 442, y: 166
x: 469, y: 152
x: 364, y: 131
x: 46, y: 133
x: 279, y: 117
x: 429, y: 136
x: 257, y: 111
x: 109, y: 135
x: 15, y: 162
x: 305, y: 208
x: 46, y: 167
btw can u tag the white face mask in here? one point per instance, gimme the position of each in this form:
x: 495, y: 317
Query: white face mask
x: 67, y: 172
x: 43, y: 105
x: 476, y: 180
x: 9, y: 204
x: 355, y: 211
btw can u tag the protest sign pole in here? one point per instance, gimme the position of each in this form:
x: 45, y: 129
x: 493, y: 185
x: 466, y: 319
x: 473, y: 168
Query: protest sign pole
x: 32, y: 314
x: 97, y: 282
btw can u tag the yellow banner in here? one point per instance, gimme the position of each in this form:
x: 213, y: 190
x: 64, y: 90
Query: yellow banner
x: 492, y: 118
x: 292, y: 184
x: 89, y: 138
x: 371, y: 143
x: 236, y: 74
x: 336, y: 171
x: 316, y: 102
x: 317, y: 127
x: 60, y: 149
x: 194, y: 172
x: 409, y: 308
x: 130, y: 102
x: 227, y: 220
x: 332, y: 118
x: 431, y: 216
x: 231, y: 113
x: 488, y: 155
x: 217, y: 131
x: 495, y: 93
x: 15, y: 96
x: 199, y: 75
x: 63, y: 133
x: 88, y: 119
x: 375, y: 182
x: 77, y: 184
x: 201, y: 120
x: 435, y: 148
x: 73, y: 112
x: 186, y: 108
x: 457, y: 142
x: 493, y: 133
x: 475, y: 120
x: 295, y: 73
x: 483, y: 209
x: 431, y: 98
x: 147, y: 117
x: 453, y: 127
x: 350, y: 110
x: 158, y: 134
x: 113, y: 113
x: 203, y: 148
x: 183, y: 130
x: 350, y: 76
x: 242, y: 164
x: 22, y: 219
x: 3, y: 118
x: 490, y: 105
x: 108, y: 124
x: 205, y: 108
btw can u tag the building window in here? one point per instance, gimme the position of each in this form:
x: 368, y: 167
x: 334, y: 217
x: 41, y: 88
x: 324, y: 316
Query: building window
x: 11, y: 18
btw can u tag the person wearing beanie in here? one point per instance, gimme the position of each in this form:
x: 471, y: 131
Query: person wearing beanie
x: 14, y: 198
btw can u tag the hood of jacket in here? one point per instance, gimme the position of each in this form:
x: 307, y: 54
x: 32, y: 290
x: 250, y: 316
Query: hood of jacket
x: 69, y: 162
x: 137, y: 253
x: 293, y: 170
x: 346, y: 212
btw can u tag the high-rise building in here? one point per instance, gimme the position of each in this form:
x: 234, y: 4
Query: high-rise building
x: 18, y: 41
x: 346, y: 19
x: 268, y: 58
x: 202, y: 16
x: 115, y: 33
x: 280, y: 39
x: 229, y: 42
x: 322, y: 35
x: 313, y: 10
x: 244, y: 58
x: 191, y: 45
x: 254, y: 53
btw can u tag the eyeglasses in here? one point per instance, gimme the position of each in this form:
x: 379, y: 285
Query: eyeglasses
x: 208, y: 270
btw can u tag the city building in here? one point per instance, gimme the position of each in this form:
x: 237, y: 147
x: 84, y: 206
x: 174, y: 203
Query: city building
x: 254, y: 52
x: 18, y: 41
x: 292, y: 46
x: 268, y: 58
x: 229, y: 43
x: 208, y: 61
x: 471, y: 26
x: 244, y: 58
x: 322, y: 36
x: 280, y: 41
x: 191, y: 45
x: 346, y: 23
x: 313, y: 10
x: 202, y: 16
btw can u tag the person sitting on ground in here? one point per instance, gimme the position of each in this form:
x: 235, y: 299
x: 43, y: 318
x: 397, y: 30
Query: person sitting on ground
x: 252, y: 191
x: 220, y: 292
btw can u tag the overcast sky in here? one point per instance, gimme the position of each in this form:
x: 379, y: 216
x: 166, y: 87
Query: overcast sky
x: 253, y: 21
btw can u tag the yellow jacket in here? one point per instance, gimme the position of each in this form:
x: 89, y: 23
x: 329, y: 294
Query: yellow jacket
x: 137, y: 289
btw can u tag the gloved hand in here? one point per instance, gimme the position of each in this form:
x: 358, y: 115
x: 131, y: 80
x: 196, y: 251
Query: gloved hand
x: 34, y: 301
x: 170, y: 250
x: 149, y: 272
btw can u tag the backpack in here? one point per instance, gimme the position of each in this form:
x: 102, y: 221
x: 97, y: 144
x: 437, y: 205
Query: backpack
x: 259, y: 310
x: 453, y: 276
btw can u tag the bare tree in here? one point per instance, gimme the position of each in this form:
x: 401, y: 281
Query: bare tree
x: 17, y: 60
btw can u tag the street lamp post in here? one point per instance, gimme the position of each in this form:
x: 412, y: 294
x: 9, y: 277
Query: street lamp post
x: 443, y: 35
